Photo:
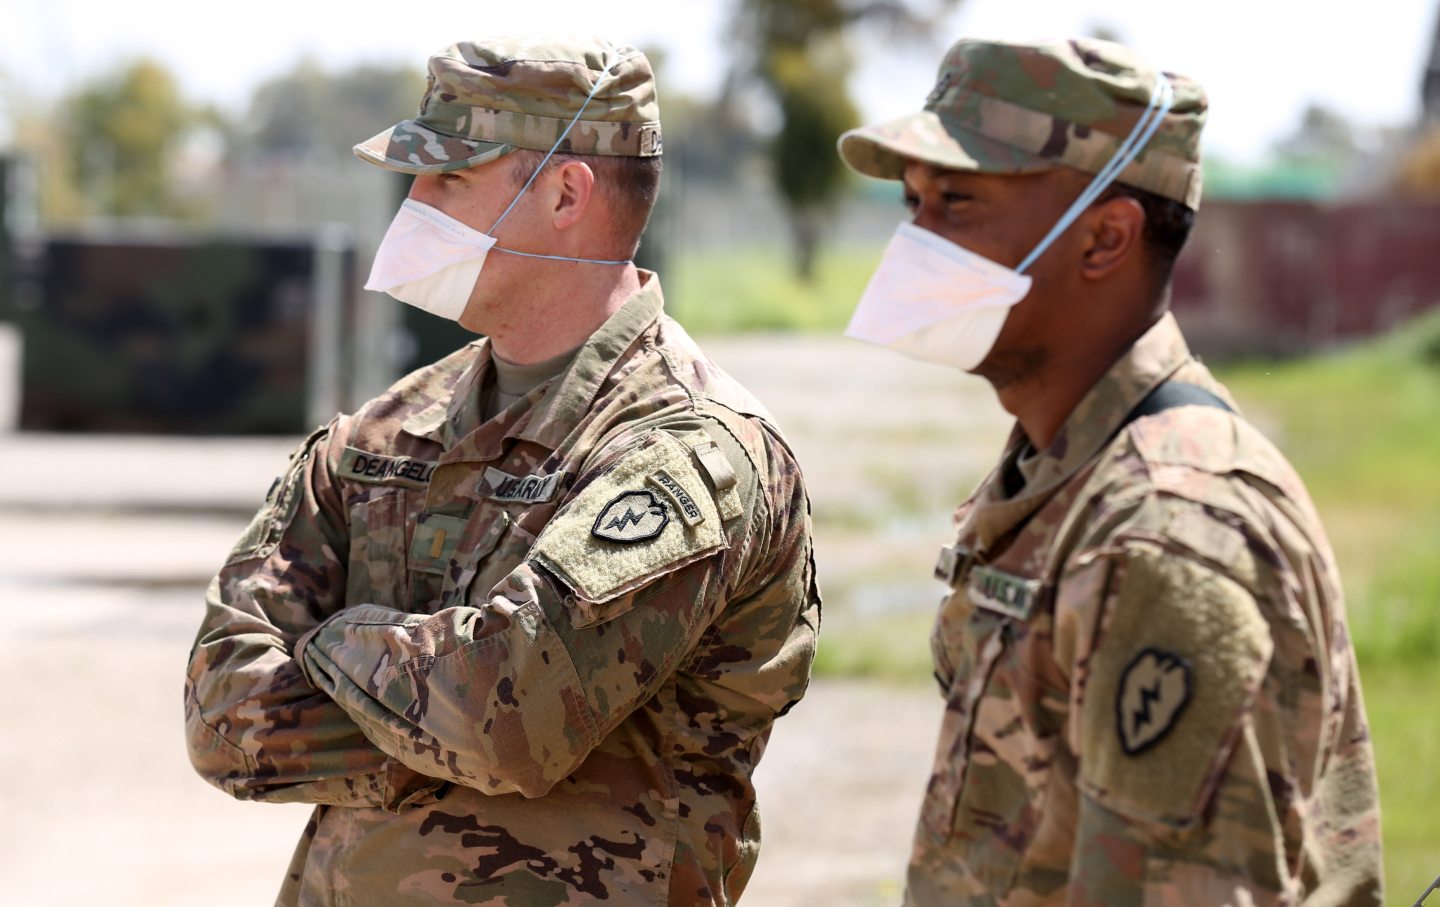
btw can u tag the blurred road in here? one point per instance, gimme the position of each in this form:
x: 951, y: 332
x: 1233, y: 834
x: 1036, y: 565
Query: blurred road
x: 109, y: 541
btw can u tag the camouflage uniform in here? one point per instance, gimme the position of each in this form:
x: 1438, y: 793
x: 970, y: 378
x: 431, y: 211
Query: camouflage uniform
x: 1151, y: 696
x: 494, y: 695
x: 1183, y: 551
x: 531, y: 660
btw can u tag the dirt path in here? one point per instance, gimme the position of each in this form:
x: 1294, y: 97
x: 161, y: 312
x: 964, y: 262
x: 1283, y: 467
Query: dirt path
x: 109, y: 542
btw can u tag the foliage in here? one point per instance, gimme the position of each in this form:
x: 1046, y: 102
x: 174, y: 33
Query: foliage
x: 798, y: 51
x: 121, y: 132
x: 759, y: 292
x: 312, y: 111
x: 1419, y: 171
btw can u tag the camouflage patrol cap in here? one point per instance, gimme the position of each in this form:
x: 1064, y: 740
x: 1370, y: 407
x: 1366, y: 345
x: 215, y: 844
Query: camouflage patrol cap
x: 1020, y: 108
x: 484, y: 99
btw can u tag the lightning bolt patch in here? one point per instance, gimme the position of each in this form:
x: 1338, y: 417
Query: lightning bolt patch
x: 1154, y: 690
x: 632, y: 517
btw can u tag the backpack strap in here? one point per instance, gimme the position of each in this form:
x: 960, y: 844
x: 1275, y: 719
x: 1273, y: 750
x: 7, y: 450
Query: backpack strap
x: 1171, y: 395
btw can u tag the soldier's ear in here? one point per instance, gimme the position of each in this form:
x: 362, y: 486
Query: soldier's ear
x: 574, y: 192
x: 1114, y: 231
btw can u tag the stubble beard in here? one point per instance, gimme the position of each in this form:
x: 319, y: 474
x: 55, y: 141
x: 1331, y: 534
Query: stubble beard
x: 1007, y: 368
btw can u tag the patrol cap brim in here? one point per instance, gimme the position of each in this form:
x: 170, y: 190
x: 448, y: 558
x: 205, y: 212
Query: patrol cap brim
x: 883, y: 150
x: 409, y: 147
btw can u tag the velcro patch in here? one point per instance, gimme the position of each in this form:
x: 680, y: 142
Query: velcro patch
x: 378, y: 469
x: 1001, y: 592
x: 722, y: 476
x: 1182, y: 655
x: 608, y: 541
x: 635, y: 516
x: 684, y: 504
x: 502, y: 486
x: 1154, y: 690
x: 949, y: 564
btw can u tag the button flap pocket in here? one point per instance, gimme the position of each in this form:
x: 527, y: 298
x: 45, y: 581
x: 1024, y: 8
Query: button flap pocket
x: 436, y: 539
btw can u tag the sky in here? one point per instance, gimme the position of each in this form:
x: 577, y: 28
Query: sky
x: 1262, y: 61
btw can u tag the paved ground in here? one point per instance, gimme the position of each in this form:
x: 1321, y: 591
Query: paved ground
x: 107, y: 544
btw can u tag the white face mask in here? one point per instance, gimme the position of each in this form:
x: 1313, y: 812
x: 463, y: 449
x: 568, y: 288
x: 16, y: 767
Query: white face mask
x: 936, y: 301
x: 429, y: 259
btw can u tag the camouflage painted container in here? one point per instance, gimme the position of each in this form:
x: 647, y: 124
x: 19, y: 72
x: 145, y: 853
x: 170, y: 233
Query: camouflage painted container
x: 172, y: 334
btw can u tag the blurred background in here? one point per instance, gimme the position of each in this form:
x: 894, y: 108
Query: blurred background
x: 184, y: 233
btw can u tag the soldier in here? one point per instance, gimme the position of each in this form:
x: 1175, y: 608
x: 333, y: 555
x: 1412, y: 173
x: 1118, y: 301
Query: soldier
x: 520, y: 626
x: 1150, y: 694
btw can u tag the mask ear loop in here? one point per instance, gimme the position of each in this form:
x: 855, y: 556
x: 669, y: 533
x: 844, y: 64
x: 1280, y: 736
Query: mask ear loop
x: 1162, y: 97
x: 604, y: 77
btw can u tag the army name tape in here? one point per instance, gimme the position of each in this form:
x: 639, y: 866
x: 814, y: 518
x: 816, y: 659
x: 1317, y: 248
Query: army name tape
x: 1004, y: 593
x: 502, y: 486
x: 378, y: 469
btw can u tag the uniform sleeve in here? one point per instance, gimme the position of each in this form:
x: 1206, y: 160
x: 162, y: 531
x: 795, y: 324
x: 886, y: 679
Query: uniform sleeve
x: 512, y: 692
x: 255, y: 728
x: 1202, y: 722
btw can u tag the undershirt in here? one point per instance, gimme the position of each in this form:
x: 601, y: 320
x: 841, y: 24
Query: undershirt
x: 510, y: 382
x: 1019, y: 469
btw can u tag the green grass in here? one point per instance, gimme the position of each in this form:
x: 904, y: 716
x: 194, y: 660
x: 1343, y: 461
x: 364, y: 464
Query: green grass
x: 757, y: 290
x: 893, y: 649
x: 1399, y: 701
x: 1362, y: 428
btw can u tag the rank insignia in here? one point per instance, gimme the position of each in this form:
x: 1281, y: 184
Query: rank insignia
x: 632, y: 517
x: 1154, y: 689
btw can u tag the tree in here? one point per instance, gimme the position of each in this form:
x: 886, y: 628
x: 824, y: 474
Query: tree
x: 1419, y: 172
x: 310, y: 111
x: 1323, y: 137
x: 798, y: 52
x: 122, y: 132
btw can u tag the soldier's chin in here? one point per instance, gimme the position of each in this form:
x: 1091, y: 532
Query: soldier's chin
x: 477, y: 317
x: 1006, y: 367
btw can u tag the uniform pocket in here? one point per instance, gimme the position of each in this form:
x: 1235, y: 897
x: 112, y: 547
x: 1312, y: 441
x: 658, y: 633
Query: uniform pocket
x: 999, y: 740
x: 1013, y: 740
x: 498, y: 552
x: 380, y: 536
x: 490, y: 548
x: 975, y: 646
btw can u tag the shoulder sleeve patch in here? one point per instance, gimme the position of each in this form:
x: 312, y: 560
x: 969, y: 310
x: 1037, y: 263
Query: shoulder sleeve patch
x: 649, y: 515
x: 274, y: 516
x: 1182, y: 654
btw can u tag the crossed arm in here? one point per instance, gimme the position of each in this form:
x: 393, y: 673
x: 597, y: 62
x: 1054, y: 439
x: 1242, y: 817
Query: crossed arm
x: 292, y: 696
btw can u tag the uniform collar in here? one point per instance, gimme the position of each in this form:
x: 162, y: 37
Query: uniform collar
x: 1094, y: 421
x: 569, y: 398
x: 564, y: 401
x: 450, y: 418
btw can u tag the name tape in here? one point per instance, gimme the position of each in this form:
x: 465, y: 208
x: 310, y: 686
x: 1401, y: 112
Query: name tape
x: 1005, y: 593
x: 502, y: 486
x: 378, y: 469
